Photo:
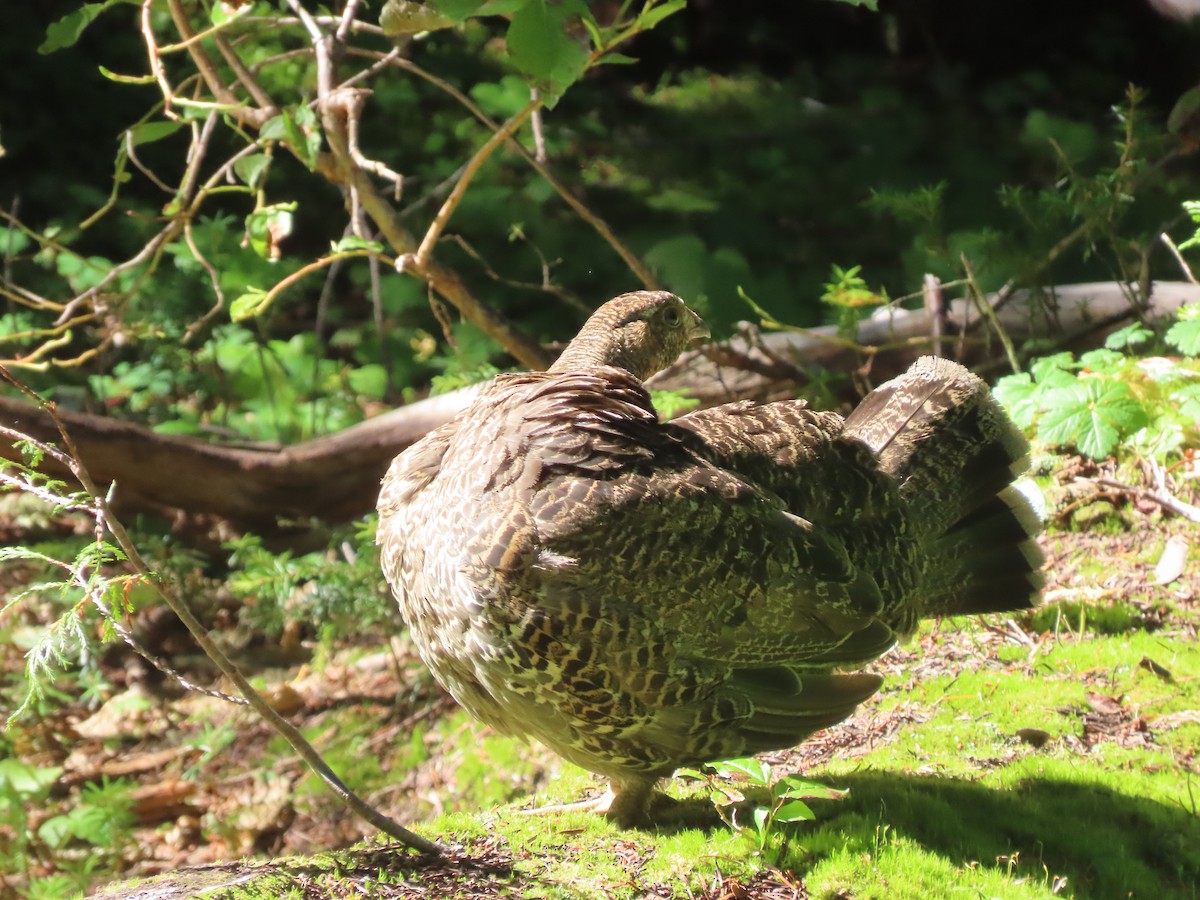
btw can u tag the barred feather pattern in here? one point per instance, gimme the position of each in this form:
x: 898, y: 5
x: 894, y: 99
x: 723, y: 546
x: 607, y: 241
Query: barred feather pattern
x: 640, y: 596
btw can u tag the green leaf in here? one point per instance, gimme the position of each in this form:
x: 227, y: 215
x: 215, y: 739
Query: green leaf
x: 1020, y: 397
x: 25, y: 780
x: 754, y: 769
x: 458, y: 10
x: 1093, y: 415
x: 352, y: 242
x: 1101, y: 360
x: 795, y: 787
x: 126, y: 79
x: 656, y: 14
x: 1185, y: 335
x: 267, y: 226
x: 222, y: 12
x: 794, y: 811
x: 369, y: 381
x: 67, y: 30
x: 248, y: 305
x: 1128, y: 337
x: 760, y: 821
x: 297, y: 129
x: 616, y: 59
x: 401, y: 18
x: 252, y: 168
x: 541, y: 48
x: 149, y: 132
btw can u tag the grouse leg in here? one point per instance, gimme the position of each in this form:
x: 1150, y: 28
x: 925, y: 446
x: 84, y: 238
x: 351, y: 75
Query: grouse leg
x: 627, y: 801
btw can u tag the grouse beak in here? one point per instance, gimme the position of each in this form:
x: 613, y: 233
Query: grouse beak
x: 697, y: 330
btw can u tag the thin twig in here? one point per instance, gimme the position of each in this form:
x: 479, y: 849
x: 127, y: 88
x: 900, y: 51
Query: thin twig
x: 1162, y: 498
x: 988, y: 312
x: 581, y: 209
x: 1187, y: 272
x: 442, y: 219
x: 228, y: 668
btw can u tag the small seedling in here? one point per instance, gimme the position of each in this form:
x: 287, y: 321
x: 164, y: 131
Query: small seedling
x: 785, y: 803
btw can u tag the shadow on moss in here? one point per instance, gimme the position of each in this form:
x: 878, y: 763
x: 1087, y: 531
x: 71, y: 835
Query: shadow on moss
x: 1103, y: 842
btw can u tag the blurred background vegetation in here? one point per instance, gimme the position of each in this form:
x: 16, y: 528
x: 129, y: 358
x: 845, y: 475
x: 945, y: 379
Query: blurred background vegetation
x: 754, y: 144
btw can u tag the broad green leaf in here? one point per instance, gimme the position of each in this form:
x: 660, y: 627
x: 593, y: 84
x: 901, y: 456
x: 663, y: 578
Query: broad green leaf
x: 1020, y: 398
x: 1128, y: 337
x: 149, y: 132
x: 1101, y: 360
x: 1093, y: 415
x: 1049, y: 369
x: 248, y: 305
x: 1185, y: 335
x: 369, y: 381
x: 794, y: 811
x: 756, y: 770
x: 25, y: 780
x: 541, y: 48
x: 56, y: 831
x: 252, y: 168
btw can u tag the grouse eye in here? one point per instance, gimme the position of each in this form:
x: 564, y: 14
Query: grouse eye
x: 671, y: 315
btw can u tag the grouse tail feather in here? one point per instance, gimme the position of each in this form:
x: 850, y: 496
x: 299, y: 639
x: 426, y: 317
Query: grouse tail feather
x: 940, y: 433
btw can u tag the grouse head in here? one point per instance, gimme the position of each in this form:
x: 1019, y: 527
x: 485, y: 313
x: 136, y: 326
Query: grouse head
x: 641, y: 332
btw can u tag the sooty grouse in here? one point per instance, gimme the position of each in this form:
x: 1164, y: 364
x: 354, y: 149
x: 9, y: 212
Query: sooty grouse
x: 641, y: 596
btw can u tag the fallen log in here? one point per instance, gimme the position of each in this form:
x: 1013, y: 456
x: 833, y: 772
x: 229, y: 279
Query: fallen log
x: 335, y: 478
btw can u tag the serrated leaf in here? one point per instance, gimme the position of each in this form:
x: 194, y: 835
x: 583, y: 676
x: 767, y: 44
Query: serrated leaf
x: 1051, y: 369
x: 248, y: 305
x: 794, y: 811
x: 1092, y: 415
x: 1129, y: 336
x: 252, y: 168
x: 1101, y: 360
x: 1185, y: 335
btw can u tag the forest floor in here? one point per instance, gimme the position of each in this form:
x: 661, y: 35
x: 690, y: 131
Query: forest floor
x: 1049, y: 754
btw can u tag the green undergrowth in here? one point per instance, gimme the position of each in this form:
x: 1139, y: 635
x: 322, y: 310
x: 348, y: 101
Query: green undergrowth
x: 1054, y: 770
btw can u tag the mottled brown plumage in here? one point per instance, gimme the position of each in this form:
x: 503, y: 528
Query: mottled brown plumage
x: 640, y: 596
